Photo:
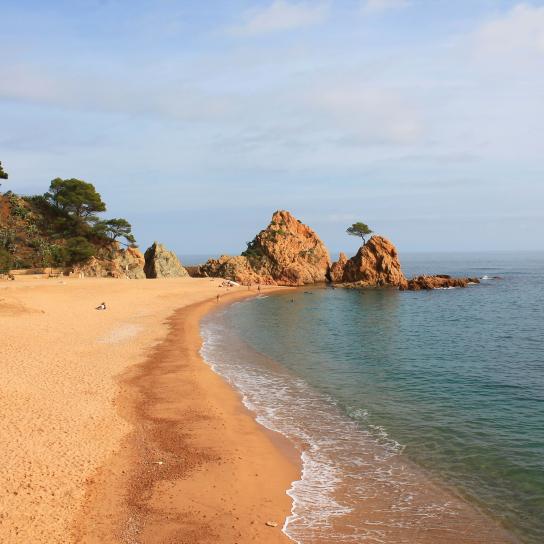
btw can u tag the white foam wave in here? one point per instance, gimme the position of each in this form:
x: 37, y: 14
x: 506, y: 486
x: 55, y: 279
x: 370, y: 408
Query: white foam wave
x: 344, y: 461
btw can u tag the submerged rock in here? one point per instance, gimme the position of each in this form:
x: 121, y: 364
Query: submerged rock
x: 440, y: 281
x: 162, y: 263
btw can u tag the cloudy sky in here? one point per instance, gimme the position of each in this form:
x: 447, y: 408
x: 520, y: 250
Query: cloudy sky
x: 196, y: 120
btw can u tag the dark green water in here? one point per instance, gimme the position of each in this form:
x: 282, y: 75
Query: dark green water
x: 452, y: 378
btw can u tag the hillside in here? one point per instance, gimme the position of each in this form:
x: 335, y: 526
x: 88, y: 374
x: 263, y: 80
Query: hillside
x: 60, y: 228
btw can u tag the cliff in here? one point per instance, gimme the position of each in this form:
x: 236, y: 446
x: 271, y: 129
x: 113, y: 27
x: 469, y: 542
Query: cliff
x: 162, y: 263
x: 286, y: 252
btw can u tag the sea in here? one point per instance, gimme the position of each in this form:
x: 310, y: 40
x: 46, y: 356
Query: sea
x: 418, y: 416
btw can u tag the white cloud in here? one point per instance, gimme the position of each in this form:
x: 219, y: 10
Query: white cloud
x: 282, y: 15
x: 377, y: 6
x: 368, y: 115
x: 519, y: 32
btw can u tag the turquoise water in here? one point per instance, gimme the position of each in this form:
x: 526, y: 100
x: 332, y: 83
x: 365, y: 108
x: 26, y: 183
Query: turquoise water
x: 452, y: 380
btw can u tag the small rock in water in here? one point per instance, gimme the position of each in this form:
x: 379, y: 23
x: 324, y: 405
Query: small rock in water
x: 271, y: 524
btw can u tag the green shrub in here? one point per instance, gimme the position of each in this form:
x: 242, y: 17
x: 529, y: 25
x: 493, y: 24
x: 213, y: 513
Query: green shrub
x: 78, y: 250
x: 6, y: 262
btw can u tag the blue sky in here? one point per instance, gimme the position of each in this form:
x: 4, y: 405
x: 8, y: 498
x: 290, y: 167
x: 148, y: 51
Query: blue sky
x: 196, y: 120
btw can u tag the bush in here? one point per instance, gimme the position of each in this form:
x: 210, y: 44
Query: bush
x: 6, y: 262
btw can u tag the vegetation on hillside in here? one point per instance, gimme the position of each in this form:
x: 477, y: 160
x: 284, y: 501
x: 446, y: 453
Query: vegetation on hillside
x: 59, y: 228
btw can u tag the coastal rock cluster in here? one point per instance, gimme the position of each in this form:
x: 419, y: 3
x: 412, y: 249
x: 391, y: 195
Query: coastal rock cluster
x: 162, y: 263
x: 286, y: 252
x: 116, y: 262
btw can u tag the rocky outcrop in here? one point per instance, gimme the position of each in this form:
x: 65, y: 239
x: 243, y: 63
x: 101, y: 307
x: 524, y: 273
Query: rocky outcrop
x: 290, y: 253
x: 287, y: 252
x: 441, y: 281
x: 162, y: 263
x: 336, y: 273
x: 237, y: 269
x: 113, y: 262
x: 376, y: 264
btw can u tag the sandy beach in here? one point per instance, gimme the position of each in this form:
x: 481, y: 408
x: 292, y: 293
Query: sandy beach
x: 114, y: 430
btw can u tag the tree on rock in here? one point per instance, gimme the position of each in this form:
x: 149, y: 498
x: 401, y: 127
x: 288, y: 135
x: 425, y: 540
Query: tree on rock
x: 359, y: 229
x: 116, y: 228
x: 75, y: 197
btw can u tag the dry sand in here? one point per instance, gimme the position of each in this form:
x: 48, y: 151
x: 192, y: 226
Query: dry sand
x: 113, y: 429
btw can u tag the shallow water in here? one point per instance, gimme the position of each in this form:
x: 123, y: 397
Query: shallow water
x: 395, y: 398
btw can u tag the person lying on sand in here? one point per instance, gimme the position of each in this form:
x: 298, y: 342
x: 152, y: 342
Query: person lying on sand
x: 102, y: 306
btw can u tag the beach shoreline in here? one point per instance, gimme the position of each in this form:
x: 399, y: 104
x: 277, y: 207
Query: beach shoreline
x: 74, y: 380
x: 342, y: 493
x: 197, y: 467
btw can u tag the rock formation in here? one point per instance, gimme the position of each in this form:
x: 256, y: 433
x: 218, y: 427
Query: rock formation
x: 287, y: 252
x: 237, y: 269
x: 113, y: 262
x: 162, y: 263
x: 376, y: 264
x: 336, y: 273
x: 441, y: 281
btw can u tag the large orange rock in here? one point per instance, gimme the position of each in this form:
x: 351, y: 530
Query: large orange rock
x: 287, y: 252
x: 376, y: 264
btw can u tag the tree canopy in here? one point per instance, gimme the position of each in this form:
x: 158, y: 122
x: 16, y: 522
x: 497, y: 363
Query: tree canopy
x: 362, y: 230
x: 116, y: 228
x: 75, y: 197
x: 3, y: 175
x: 77, y: 250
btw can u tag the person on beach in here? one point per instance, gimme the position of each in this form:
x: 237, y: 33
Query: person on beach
x: 102, y: 306
x: 218, y: 299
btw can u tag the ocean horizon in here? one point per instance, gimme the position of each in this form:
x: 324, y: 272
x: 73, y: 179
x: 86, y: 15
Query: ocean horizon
x: 414, y: 412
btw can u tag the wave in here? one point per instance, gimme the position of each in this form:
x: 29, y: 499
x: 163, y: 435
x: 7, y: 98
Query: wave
x: 348, y: 466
